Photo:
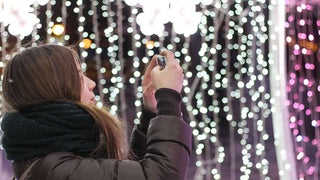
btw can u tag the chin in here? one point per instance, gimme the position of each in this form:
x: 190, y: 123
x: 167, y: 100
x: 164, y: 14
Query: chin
x: 92, y: 102
x: 89, y: 102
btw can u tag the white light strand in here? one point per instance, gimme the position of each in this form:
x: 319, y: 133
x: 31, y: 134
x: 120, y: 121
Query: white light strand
x: 111, y: 36
x: 122, y: 80
x: 34, y: 35
x: 79, y: 11
x: 136, y: 64
x: 97, y: 48
x: 4, y: 38
x: 64, y: 15
x: 49, y: 23
x: 282, y: 141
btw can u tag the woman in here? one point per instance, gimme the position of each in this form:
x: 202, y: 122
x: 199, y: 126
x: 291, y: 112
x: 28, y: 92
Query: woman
x: 56, y: 132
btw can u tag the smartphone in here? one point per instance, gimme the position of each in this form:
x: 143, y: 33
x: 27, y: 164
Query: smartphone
x: 161, y: 61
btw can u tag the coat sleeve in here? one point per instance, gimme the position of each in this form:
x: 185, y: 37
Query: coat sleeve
x: 138, y: 141
x: 168, y: 103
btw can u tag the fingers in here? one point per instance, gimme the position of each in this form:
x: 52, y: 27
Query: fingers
x: 151, y: 65
x: 169, y: 55
x: 147, y: 88
x: 166, y: 53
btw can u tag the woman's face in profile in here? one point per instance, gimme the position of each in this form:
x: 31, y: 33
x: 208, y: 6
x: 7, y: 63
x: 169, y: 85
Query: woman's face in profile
x: 87, y: 86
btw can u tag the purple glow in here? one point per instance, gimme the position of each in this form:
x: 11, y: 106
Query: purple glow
x: 308, y: 112
x: 306, y: 160
x: 291, y: 18
x: 302, y: 36
x: 303, y: 83
x: 311, y: 170
x: 315, y: 142
x: 292, y: 81
x: 297, y: 67
x: 292, y: 125
x: 309, y: 66
x: 310, y: 94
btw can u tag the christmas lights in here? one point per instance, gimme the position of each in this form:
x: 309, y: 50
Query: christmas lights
x: 302, y: 37
x: 226, y: 61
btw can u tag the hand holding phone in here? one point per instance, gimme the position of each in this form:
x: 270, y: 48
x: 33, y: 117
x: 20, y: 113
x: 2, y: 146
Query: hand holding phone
x: 168, y: 73
x: 161, y: 61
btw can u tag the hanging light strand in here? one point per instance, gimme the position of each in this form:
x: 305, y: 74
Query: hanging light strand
x: 49, y: 23
x: 34, y: 35
x: 80, y: 30
x: 121, y: 80
x: 96, y: 47
x: 64, y: 15
x: 302, y: 86
x: 133, y: 53
x: 111, y: 36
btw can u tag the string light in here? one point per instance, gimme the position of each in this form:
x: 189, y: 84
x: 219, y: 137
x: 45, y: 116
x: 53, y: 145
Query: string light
x: 132, y: 50
x: 302, y: 29
x: 156, y: 14
x: 58, y: 29
x: 85, y: 43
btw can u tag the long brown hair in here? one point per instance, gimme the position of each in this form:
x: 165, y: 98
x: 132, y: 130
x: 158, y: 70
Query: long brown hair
x: 49, y: 72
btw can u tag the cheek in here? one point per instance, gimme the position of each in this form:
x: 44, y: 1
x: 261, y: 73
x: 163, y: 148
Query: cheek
x: 85, y: 95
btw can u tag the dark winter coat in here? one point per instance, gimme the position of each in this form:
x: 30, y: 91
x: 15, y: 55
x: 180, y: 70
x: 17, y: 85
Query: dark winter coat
x: 161, y: 144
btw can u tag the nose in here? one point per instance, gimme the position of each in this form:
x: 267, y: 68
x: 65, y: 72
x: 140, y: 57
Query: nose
x: 91, y: 84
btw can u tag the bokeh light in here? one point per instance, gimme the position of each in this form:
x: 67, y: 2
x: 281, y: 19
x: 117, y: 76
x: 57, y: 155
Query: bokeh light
x: 224, y: 49
x: 58, y: 29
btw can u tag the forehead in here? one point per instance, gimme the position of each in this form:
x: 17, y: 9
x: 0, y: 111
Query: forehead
x: 78, y: 65
x: 77, y: 61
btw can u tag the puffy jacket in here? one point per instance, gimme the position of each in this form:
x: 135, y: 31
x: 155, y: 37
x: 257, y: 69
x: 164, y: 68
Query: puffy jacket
x: 162, y: 150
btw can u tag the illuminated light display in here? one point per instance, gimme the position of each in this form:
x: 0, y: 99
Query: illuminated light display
x: 303, y: 64
x: 226, y: 59
x: 58, y: 29
x: 85, y: 43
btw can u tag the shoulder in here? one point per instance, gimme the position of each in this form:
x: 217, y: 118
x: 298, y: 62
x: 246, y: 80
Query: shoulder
x: 66, y: 165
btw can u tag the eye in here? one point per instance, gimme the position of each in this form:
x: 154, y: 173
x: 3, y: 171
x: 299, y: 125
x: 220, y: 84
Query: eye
x: 81, y: 75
